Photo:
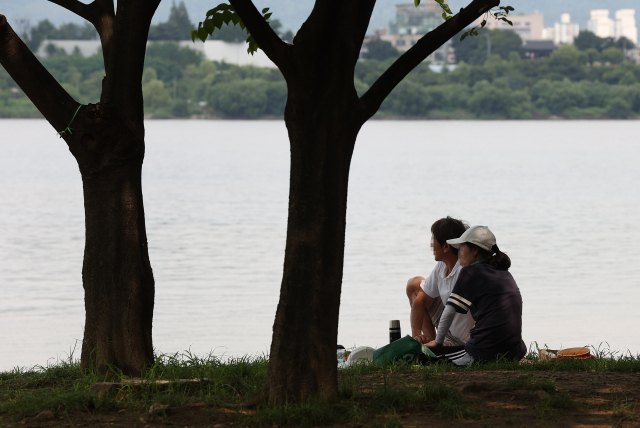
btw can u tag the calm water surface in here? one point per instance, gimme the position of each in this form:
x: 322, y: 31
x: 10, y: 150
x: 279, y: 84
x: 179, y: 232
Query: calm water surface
x: 561, y: 197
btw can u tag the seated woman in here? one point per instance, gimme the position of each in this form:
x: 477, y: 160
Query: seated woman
x: 487, y: 289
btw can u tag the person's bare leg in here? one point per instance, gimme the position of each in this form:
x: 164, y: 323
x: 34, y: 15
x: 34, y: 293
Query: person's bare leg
x: 422, y: 328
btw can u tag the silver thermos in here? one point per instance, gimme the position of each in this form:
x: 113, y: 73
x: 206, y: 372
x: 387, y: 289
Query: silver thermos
x: 394, y: 330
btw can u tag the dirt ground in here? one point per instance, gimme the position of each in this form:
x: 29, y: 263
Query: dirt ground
x: 604, y: 399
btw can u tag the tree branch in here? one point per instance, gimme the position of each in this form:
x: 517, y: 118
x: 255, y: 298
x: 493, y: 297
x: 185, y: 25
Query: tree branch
x: 55, y: 104
x: 123, y: 84
x: 79, y: 8
x: 269, y: 41
x: 431, y: 41
x: 100, y: 13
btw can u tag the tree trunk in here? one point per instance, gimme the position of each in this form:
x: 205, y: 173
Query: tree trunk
x: 323, y: 116
x: 107, y: 140
x: 117, y: 276
x: 323, y: 124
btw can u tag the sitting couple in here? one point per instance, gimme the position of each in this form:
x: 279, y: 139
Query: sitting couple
x: 470, y: 297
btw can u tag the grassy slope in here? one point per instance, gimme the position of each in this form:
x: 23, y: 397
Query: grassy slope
x: 390, y: 396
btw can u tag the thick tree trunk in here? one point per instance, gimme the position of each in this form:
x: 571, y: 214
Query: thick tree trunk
x: 107, y: 140
x: 302, y: 361
x: 117, y: 275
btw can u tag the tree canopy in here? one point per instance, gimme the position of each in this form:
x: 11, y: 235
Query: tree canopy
x: 474, y: 50
x: 177, y: 27
x: 380, y: 50
x: 69, y: 31
x: 587, y: 40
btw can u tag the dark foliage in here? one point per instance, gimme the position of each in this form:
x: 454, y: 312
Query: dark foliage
x: 380, y: 50
x: 474, y: 50
x: 176, y: 28
x: 46, y: 30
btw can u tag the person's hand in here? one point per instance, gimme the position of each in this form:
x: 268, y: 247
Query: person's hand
x: 421, y: 338
x: 432, y: 343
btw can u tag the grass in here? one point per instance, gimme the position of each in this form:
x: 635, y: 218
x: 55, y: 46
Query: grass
x: 368, y: 394
x: 529, y: 382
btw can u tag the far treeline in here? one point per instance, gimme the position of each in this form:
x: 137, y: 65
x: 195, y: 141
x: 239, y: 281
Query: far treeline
x: 590, y: 80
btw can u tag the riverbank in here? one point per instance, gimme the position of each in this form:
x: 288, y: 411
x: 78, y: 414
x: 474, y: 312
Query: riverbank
x: 600, y: 392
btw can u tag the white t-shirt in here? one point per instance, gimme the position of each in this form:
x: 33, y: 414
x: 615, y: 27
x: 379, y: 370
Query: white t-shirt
x: 437, y: 285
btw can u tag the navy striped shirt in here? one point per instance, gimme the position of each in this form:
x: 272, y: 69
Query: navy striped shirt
x: 492, y: 296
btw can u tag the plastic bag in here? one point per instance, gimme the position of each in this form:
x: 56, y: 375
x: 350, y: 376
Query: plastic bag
x: 405, y: 349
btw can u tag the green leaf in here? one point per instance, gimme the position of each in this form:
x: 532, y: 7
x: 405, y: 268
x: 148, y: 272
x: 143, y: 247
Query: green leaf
x: 217, y: 20
x: 464, y: 36
x: 253, y: 45
x: 220, y: 7
x: 226, y: 16
x: 509, y: 22
x: 209, y: 26
x: 416, y: 2
x: 484, y: 22
x: 202, y: 34
x: 224, y: 13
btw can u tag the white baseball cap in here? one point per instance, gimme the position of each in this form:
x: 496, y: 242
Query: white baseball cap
x: 478, y: 235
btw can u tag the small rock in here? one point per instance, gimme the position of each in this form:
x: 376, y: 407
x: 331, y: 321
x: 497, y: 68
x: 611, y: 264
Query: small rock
x: 122, y: 410
x: 141, y: 419
x: 475, y: 387
x: 541, y: 395
x: 42, y: 416
x: 157, y: 408
x: 100, y: 388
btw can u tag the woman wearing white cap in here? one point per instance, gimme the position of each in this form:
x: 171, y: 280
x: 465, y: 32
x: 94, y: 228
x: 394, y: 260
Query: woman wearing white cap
x: 487, y: 289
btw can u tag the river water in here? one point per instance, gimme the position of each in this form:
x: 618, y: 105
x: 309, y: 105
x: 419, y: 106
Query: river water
x: 561, y: 196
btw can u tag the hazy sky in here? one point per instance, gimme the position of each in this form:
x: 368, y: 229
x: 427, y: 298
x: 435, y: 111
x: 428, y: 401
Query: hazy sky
x: 293, y: 12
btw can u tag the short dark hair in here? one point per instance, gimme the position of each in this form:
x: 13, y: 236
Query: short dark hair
x: 448, y: 228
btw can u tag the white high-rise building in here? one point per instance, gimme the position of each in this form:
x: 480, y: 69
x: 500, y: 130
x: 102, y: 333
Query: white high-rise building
x: 600, y: 24
x: 626, y: 25
x: 565, y: 30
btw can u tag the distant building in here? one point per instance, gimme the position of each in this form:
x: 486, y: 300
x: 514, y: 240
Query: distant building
x: 213, y: 50
x: 528, y: 27
x: 600, y: 24
x: 634, y: 55
x: 534, y: 49
x: 626, y: 25
x: 414, y: 22
x: 562, y: 32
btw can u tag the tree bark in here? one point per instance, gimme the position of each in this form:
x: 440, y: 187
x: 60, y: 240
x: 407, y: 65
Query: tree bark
x: 323, y: 117
x: 107, y: 141
x: 302, y: 361
x: 116, y: 273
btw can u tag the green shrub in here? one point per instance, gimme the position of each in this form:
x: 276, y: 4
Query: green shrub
x: 241, y: 99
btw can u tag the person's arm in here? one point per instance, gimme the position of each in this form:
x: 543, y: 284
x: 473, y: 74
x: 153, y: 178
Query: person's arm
x: 446, y: 319
x: 460, y: 300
